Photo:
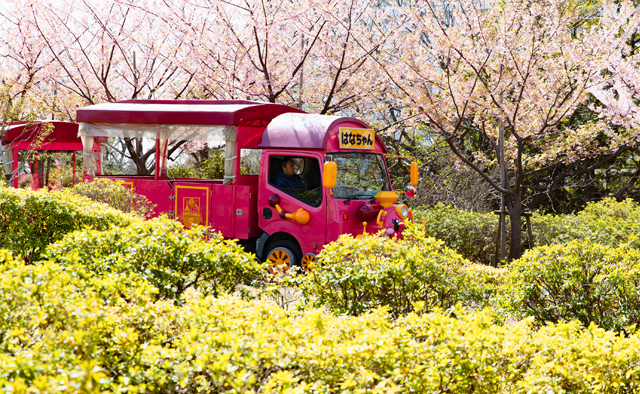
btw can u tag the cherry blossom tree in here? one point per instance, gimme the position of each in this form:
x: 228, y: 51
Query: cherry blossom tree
x: 304, y: 52
x: 99, y: 51
x: 475, y: 70
x: 23, y: 63
x: 617, y: 81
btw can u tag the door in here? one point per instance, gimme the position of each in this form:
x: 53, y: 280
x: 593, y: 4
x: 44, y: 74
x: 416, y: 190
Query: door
x: 295, y: 179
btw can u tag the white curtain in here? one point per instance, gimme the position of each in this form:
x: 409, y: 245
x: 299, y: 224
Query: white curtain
x: 88, y: 158
x: 163, y: 144
x: 214, y: 134
x: 230, y: 154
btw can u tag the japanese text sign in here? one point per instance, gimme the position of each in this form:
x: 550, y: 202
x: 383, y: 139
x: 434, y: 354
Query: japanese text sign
x: 356, y: 138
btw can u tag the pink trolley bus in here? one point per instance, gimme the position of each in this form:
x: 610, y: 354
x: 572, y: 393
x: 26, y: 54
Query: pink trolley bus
x: 315, y: 176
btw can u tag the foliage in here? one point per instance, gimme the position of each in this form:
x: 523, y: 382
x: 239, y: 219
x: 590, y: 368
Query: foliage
x: 163, y: 253
x: 470, y: 75
x: 311, y: 197
x: 63, y: 176
x: 580, y: 281
x: 442, y: 178
x: 63, y: 329
x: 112, y: 193
x: 211, y: 168
x: 472, y: 234
x: 181, y: 171
x: 605, y: 222
x: 484, y: 283
x: 355, y: 275
x: 31, y: 220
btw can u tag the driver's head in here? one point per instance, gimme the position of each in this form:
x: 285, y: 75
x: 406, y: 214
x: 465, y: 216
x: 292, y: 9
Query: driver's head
x: 288, y: 166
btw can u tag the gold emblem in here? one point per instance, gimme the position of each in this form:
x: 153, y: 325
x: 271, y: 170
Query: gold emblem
x: 191, y: 214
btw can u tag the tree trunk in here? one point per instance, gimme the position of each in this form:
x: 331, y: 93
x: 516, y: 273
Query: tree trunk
x: 514, y: 207
x: 136, y: 155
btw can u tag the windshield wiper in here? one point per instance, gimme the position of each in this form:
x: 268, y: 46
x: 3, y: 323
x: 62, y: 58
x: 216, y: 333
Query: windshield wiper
x: 356, y: 197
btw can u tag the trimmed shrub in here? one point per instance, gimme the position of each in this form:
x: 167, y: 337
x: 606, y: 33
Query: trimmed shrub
x: 31, y: 220
x: 483, y: 283
x: 64, y: 329
x: 162, y: 252
x: 471, y: 234
x: 181, y: 171
x: 355, y: 275
x: 112, y: 193
x: 606, y: 222
x: 211, y: 168
x: 580, y: 281
x: 67, y: 330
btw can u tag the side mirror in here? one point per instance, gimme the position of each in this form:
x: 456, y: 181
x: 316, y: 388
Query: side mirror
x: 415, y: 173
x: 330, y: 176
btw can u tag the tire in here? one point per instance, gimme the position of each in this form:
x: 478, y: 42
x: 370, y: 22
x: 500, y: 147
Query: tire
x: 282, y: 255
x: 308, y: 259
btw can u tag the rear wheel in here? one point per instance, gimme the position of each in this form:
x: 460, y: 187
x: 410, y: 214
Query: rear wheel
x: 308, y: 260
x: 282, y: 255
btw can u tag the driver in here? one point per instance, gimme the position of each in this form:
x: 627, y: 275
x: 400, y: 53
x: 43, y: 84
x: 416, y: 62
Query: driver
x: 287, y: 177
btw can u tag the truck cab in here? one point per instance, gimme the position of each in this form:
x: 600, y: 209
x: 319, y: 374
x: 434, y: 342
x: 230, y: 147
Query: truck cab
x: 319, y: 176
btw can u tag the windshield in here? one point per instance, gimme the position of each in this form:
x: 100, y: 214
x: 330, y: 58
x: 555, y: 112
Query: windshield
x: 360, y: 175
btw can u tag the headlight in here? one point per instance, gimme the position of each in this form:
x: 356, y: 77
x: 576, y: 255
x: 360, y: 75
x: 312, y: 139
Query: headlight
x: 402, y: 211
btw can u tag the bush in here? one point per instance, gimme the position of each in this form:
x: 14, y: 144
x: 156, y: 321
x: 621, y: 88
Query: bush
x: 587, y: 282
x: 181, y: 171
x: 211, y: 168
x: 471, y: 234
x: 31, y: 220
x: 355, y: 275
x: 162, y: 252
x: 64, y: 329
x: 606, y: 222
x: 112, y: 193
x: 67, y: 330
x: 483, y: 283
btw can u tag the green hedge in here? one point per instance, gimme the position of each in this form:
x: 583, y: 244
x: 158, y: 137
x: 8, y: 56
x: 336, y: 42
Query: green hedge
x: 211, y: 168
x: 355, y: 275
x: 64, y: 329
x: 471, y: 234
x: 483, y: 284
x: 162, y: 252
x: 68, y: 330
x: 29, y: 221
x: 606, y: 222
x: 580, y: 281
x: 112, y: 193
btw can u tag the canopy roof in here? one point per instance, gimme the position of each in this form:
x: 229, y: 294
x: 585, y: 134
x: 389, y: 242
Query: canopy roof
x: 27, y: 132
x: 307, y: 131
x: 184, y: 112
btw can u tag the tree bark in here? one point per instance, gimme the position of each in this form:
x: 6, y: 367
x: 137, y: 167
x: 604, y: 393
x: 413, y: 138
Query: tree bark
x: 514, y: 207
